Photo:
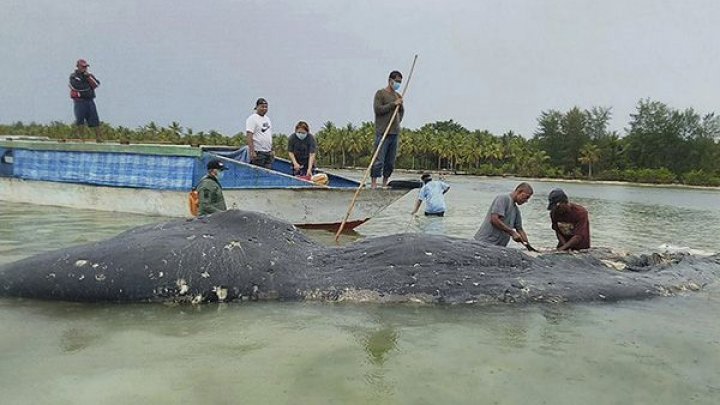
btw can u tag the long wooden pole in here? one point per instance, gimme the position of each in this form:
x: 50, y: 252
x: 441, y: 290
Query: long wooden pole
x: 377, y: 151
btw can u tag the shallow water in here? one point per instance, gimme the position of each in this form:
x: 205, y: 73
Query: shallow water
x: 657, y: 351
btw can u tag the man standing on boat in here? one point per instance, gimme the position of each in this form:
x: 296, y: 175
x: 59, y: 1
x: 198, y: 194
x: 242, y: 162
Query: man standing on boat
x: 433, y: 193
x: 503, y: 220
x: 384, y: 104
x: 82, y: 91
x: 209, y: 190
x: 259, y: 136
x: 569, y: 221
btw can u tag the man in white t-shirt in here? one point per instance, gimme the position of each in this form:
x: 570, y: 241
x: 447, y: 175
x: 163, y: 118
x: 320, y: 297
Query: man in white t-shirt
x: 259, y: 136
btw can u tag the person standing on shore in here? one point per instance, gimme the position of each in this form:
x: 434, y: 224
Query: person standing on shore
x: 259, y: 136
x: 433, y: 193
x: 82, y: 92
x: 570, y: 222
x: 503, y: 220
x: 384, y: 104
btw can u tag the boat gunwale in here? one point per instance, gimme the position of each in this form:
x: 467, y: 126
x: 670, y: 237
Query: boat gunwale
x: 140, y: 149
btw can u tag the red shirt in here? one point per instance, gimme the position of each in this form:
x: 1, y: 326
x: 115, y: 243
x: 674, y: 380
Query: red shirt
x: 574, y: 221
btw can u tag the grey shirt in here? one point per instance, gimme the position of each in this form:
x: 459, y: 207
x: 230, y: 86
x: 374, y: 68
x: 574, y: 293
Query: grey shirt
x: 504, y: 206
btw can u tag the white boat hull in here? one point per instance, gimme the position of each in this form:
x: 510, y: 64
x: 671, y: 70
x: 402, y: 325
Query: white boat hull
x: 312, y: 207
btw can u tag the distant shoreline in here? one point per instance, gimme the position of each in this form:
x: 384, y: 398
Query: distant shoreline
x: 550, y: 179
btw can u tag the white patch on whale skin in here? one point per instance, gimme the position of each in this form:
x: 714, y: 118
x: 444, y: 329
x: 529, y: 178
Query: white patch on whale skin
x: 428, y: 253
x: 82, y: 277
x: 182, y: 285
x: 204, y: 274
x: 81, y: 262
x: 95, y: 266
x: 614, y: 265
x: 232, y: 245
x: 198, y: 299
x: 221, y: 293
x: 100, y: 277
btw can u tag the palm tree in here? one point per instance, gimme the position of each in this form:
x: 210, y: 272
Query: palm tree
x: 589, y: 155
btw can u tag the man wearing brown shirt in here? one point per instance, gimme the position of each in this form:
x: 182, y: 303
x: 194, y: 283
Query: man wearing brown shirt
x: 569, y: 221
x: 386, y: 100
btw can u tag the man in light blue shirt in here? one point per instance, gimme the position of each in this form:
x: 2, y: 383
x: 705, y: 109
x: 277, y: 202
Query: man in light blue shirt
x: 433, y: 193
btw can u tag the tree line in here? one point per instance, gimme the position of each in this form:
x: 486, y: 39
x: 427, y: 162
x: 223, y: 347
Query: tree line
x: 660, y: 145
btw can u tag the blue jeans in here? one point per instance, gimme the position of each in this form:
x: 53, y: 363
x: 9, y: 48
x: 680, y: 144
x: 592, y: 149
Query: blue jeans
x: 86, y: 112
x: 385, y: 162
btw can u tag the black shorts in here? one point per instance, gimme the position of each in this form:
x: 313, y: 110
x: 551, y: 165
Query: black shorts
x: 86, y: 113
x: 435, y: 214
x: 264, y: 159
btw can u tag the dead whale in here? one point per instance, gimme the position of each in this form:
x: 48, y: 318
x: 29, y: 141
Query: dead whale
x: 239, y: 255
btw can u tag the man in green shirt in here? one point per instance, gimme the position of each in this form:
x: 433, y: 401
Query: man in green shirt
x: 209, y: 189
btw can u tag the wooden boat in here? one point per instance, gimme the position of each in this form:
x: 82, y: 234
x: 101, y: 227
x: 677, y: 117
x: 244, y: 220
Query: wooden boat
x: 156, y: 179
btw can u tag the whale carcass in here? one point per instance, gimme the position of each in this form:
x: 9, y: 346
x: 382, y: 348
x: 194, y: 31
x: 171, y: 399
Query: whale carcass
x: 239, y: 255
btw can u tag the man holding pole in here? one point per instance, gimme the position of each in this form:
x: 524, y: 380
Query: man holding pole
x: 388, y: 109
x: 387, y: 100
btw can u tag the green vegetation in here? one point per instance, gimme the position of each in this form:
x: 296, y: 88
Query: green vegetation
x: 660, y: 145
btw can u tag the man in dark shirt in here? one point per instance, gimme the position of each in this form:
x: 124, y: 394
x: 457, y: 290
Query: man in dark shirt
x: 82, y: 91
x: 385, y: 102
x: 569, y: 221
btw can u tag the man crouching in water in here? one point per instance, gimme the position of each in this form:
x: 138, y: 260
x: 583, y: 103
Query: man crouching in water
x: 569, y: 221
x: 433, y: 193
x: 503, y: 220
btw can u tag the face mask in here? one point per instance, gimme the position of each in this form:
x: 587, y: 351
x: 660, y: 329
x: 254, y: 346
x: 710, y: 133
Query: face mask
x: 396, y: 86
x: 219, y: 175
x: 301, y: 135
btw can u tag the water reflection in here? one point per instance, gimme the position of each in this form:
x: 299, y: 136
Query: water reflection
x: 324, y: 353
x: 379, y: 343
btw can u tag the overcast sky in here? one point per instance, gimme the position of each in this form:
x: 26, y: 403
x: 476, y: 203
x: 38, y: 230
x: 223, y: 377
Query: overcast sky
x: 491, y: 65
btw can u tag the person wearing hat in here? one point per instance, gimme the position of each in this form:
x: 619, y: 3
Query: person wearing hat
x: 569, y: 221
x: 433, y: 193
x: 503, y: 220
x: 82, y: 92
x: 209, y: 189
x: 259, y: 136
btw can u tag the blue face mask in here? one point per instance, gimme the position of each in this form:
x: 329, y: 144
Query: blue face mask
x: 396, y: 86
x: 219, y: 174
x: 301, y: 135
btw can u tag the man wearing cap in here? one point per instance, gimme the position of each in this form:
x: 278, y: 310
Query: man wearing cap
x: 209, y: 189
x: 569, y: 221
x: 385, y: 102
x: 82, y: 91
x: 433, y: 193
x: 259, y: 135
x: 503, y: 220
